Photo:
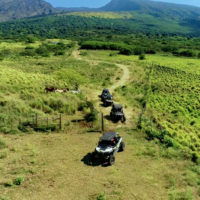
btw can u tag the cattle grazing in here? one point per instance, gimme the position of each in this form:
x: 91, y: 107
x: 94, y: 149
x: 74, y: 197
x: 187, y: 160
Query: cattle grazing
x: 50, y: 89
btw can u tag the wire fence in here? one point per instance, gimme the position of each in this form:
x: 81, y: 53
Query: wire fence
x: 53, y: 123
x: 40, y: 123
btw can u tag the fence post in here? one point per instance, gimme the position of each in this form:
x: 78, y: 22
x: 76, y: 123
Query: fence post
x: 47, y: 122
x: 102, y: 122
x: 60, y: 124
x: 36, y: 120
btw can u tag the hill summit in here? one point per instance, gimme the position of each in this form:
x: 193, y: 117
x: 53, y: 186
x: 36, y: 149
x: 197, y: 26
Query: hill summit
x: 16, y: 9
x: 153, y: 8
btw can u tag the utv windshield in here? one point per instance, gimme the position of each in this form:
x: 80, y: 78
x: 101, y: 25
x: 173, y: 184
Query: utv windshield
x: 105, y: 143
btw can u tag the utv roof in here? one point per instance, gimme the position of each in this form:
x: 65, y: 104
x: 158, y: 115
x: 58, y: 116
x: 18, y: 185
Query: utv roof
x: 108, y: 136
x: 117, y: 106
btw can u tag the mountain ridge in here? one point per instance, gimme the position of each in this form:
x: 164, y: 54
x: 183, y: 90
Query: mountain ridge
x: 17, y: 9
x: 153, y: 8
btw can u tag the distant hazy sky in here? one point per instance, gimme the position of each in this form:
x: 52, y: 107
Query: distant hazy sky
x: 99, y: 3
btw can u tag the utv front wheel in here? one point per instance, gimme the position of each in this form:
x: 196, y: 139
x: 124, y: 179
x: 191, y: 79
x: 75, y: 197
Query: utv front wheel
x: 93, y: 157
x: 122, y: 147
x: 111, y: 160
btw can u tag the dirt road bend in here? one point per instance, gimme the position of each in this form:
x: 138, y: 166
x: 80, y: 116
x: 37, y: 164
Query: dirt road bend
x: 123, y: 79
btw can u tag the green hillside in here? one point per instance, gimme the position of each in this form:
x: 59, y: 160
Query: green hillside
x: 73, y: 26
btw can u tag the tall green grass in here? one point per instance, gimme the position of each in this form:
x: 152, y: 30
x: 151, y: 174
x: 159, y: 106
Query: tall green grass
x: 24, y: 78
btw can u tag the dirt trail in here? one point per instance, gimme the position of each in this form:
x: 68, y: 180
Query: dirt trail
x: 122, y: 81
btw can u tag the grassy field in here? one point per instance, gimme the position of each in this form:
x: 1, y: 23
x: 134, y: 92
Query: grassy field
x: 56, y: 165
x: 171, y: 97
x: 24, y: 78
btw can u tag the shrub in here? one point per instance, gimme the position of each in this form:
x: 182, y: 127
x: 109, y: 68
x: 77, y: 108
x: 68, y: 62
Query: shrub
x: 42, y: 51
x: 30, y: 39
x: 185, y: 53
x: 126, y: 51
x: 92, y: 116
x: 59, y: 53
x: 101, y: 197
x: 142, y: 57
x: 18, y: 181
x: 196, y: 158
x: 150, y: 51
x: 169, y: 48
x: 138, y: 51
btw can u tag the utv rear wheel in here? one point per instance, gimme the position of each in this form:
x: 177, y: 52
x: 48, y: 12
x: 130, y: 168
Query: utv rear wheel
x: 122, y: 147
x: 111, y: 160
x: 123, y: 119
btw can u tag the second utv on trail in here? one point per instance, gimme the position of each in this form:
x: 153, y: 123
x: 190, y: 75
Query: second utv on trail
x: 117, y: 113
x: 106, y: 98
x: 110, y: 143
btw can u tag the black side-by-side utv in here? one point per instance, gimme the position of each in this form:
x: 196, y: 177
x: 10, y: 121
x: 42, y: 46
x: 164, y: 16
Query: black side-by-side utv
x: 106, y: 98
x: 117, y: 113
x: 110, y: 143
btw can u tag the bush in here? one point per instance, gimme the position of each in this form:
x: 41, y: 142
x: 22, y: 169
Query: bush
x: 101, y: 197
x: 30, y: 39
x: 150, y: 51
x: 92, y: 116
x: 196, y: 158
x: 126, y: 51
x: 142, y: 57
x: 138, y: 51
x: 185, y: 53
x: 42, y: 51
x: 169, y: 48
x: 18, y: 181
x: 59, y: 53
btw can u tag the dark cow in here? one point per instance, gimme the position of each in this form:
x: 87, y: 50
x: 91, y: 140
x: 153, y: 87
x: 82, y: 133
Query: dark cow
x: 50, y: 89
